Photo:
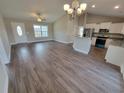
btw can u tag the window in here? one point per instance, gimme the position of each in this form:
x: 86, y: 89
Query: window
x: 44, y: 31
x: 19, y: 30
x: 37, y: 31
x: 40, y: 31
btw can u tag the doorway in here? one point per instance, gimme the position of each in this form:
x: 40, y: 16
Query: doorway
x: 19, y: 32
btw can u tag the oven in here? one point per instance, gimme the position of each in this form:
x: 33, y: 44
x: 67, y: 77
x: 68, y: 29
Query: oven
x: 101, y: 40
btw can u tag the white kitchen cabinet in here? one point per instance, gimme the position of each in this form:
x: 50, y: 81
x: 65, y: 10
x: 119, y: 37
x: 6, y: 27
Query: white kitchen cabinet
x: 116, y: 27
x: 113, y: 28
x: 93, y: 41
x: 93, y: 26
x: 115, y: 55
x: 122, y: 31
x: 105, y: 25
x: 108, y: 41
x: 97, y: 27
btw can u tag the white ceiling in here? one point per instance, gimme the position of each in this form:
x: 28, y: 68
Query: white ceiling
x: 53, y: 9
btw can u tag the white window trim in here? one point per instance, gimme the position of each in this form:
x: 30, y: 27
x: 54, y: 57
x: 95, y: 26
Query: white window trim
x: 41, y: 31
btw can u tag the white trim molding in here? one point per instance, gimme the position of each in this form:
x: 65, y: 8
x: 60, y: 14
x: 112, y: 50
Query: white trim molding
x: 28, y: 42
x: 81, y: 51
x: 63, y: 42
x: 4, y: 80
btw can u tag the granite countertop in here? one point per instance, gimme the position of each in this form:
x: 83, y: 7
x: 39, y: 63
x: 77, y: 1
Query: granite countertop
x: 109, y: 35
x: 119, y: 43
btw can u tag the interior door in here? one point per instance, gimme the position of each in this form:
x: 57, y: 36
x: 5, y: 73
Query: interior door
x: 19, y: 32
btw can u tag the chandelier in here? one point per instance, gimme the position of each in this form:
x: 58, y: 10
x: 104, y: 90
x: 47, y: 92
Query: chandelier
x: 75, y: 9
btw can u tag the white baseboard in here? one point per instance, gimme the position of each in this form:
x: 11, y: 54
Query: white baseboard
x: 32, y: 41
x: 40, y: 41
x: 81, y: 51
x: 63, y: 42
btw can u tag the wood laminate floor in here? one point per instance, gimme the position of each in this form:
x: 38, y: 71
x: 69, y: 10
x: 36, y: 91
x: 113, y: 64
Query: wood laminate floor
x: 52, y: 67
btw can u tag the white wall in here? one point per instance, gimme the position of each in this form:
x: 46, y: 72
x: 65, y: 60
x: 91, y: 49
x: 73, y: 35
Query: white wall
x: 28, y: 28
x: 115, y: 55
x: 60, y: 30
x: 65, y: 29
x: 3, y: 79
x: 3, y: 54
x: 7, y: 36
x: 71, y: 31
x: 4, y: 46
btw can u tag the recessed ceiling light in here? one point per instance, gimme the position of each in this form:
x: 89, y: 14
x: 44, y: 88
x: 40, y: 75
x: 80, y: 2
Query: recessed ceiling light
x: 93, y: 6
x: 117, y: 7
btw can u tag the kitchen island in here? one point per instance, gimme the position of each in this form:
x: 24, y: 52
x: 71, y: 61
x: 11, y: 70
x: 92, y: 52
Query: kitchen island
x: 82, y: 44
x: 115, y: 54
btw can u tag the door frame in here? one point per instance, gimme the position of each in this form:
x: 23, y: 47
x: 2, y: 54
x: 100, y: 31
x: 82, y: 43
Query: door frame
x: 13, y: 24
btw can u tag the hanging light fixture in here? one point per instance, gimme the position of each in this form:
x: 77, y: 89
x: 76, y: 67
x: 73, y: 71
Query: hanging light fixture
x: 75, y: 9
x: 40, y: 18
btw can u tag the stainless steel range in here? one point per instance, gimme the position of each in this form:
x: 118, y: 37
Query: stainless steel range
x: 101, y: 40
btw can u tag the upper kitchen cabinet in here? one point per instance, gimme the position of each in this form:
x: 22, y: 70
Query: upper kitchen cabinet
x: 105, y: 25
x: 117, y: 28
x: 122, y: 31
x: 93, y: 26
